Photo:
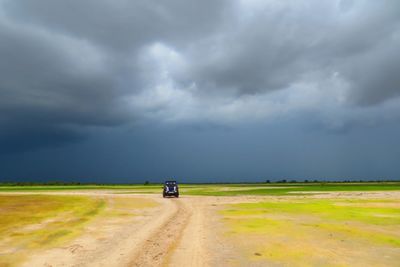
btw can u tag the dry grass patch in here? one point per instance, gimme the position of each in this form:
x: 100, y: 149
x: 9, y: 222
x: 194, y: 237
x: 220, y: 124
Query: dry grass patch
x: 315, y: 232
x: 31, y: 223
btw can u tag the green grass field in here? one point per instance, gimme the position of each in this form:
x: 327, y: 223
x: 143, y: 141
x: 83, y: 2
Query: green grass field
x: 285, y: 189
x: 222, y: 189
x: 316, y: 232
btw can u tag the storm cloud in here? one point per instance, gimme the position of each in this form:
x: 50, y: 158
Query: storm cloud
x: 70, y: 70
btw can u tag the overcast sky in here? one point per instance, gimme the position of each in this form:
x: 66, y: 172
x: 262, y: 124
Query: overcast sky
x: 212, y: 90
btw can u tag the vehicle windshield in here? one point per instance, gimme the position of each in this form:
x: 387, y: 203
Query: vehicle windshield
x: 170, y: 183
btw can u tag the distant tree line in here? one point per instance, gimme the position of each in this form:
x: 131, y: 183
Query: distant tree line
x: 268, y: 181
x: 60, y: 183
x: 42, y: 183
x: 330, y: 181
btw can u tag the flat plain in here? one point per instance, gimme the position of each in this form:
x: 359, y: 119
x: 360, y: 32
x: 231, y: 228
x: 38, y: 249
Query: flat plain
x: 313, y: 224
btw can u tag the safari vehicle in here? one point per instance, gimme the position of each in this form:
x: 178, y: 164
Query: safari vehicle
x: 171, y: 189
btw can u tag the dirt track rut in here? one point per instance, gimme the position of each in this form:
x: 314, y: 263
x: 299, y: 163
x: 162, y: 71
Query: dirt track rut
x: 158, y: 247
x: 173, y: 234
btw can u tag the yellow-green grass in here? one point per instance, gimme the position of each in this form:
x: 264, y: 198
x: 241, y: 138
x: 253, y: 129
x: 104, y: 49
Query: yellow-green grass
x: 31, y: 223
x: 221, y: 189
x: 315, y: 232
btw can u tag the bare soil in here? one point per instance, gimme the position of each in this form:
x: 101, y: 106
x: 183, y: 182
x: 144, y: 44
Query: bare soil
x: 183, y: 231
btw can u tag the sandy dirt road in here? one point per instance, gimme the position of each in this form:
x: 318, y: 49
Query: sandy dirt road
x: 178, y: 232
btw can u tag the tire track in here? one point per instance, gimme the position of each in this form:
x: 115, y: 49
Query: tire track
x: 157, y: 249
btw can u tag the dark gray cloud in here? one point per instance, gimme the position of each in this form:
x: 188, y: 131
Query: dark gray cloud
x: 247, y: 153
x: 71, y: 64
x: 278, y: 44
x: 121, y: 25
x: 68, y: 67
x: 44, y: 90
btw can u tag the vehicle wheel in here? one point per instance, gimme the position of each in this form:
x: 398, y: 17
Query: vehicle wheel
x: 177, y: 195
x: 163, y: 195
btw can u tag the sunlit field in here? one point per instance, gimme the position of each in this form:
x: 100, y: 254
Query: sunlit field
x: 220, y: 189
x: 287, y: 224
x: 30, y: 223
x: 316, y: 232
